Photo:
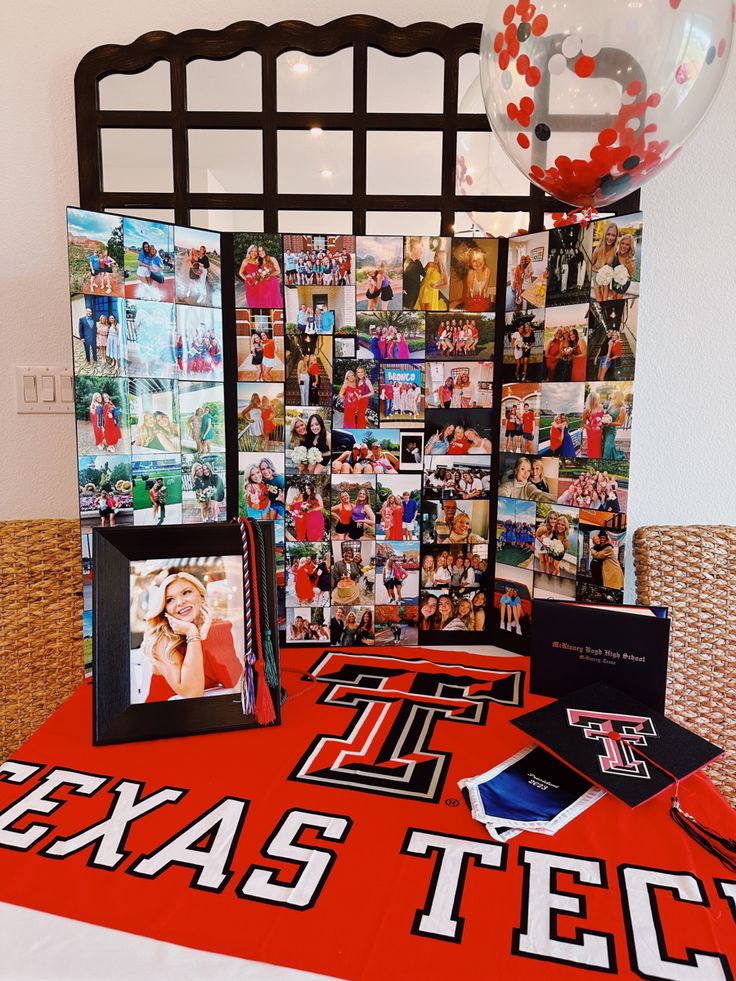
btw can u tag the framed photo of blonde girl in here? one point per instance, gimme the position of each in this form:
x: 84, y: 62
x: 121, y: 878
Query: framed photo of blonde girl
x: 170, y: 634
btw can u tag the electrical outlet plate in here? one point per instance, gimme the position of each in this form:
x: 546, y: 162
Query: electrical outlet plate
x: 44, y: 389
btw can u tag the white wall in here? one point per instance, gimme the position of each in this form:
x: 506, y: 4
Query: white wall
x: 683, y: 466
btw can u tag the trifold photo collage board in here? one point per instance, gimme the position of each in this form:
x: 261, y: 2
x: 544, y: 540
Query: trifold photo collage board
x: 392, y: 399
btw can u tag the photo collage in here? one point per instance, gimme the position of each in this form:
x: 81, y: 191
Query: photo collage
x: 365, y: 376
x: 569, y: 352
x: 147, y: 339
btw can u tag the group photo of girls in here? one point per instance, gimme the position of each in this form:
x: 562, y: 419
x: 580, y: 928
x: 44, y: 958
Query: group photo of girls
x: 198, y: 267
x: 556, y: 540
x: 520, y: 407
x: 202, y: 414
x: 258, y: 271
x: 203, y: 490
x: 516, y: 532
x: 398, y: 502
x: 98, y: 335
x: 467, y: 385
x: 95, y: 249
x: 612, y: 331
x: 451, y: 432
x: 456, y: 477
x: 426, y: 273
x: 305, y: 625
x: 307, y: 502
x: 566, y: 343
x: 260, y: 417
x: 260, y: 340
x: 154, y: 416
x: 474, y: 267
x: 569, y: 265
x: 523, y: 346
x: 157, y: 491
x: 594, y: 485
x: 616, y: 258
x: 353, y: 508
x: 199, y: 343
x: 102, y: 414
x: 455, y: 566
x: 444, y: 610
x: 319, y: 260
x: 367, y: 451
x: 262, y: 486
x: 321, y: 310
x: 151, y: 340
x: 105, y: 491
x: 395, y: 335
x: 149, y: 260
x: 355, y: 389
x: 401, y: 394
x: 308, y: 441
x: 397, y: 574
x: 379, y: 272
x: 454, y: 336
x: 526, y: 279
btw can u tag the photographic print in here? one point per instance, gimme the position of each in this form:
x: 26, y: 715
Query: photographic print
x: 345, y: 347
x: 523, y: 346
x: 516, y: 532
x: 149, y: 260
x: 455, y: 566
x: 464, y: 385
x: 305, y: 625
x: 203, y: 490
x: 401, y: 394
x: 309, y: 579
x: 379, y: 272
x: 474, y: 268
x: 598, y: 485
x: 616, y: 257
x: 307, y: 508
x: 397, y: 624
x: 556, y: 547
x: 105, y: 491
x: 258, y: 279
x: 569, y: 264
x: 397, y: 573
x: 355, y: 394
x: 315, y: 310
x: 260, y: 340
x: 202, y: 418
x: 260, y: 417
x: 456, y: 476
x: 101, y: 411
x: 365, y: 451
x: 456, y: 335
x: 411, y: 453
x: 154, y: 416
x: 612, y: 329
x: 554, y: 588
x: 520, y: 406
x: 262, y: 487
x: 353, y: 507
x: 528, y: 478
x: 398, y: 505
x: 455, y: 522
x: 318, y: 260
x: 199, y: 343
x: 309, y: 369
x: 95, y: 249
x: 526, y: 281
x: 512, y: 599
x: 98, y: 334
x: 151, y: 339
x: 392, y: 335
x: 308, y: 440
x: 560, y: 422
x: 353, y: 574
x: 611, y: 432
x: 457, y: 432
x: 426, y: 273
x: 444, y: 609
x: 157, y: 491
x: 566, y: 343
x: 602, y: 556
x: 198, y: 267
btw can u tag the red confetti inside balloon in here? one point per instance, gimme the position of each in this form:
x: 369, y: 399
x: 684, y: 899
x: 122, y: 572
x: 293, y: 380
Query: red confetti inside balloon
x: 633, y: 88
x: 498, y: 42
x: 508, y: 14
x: 539, y: 25
x: 510, y: 33
x: 584, y: 66
x: 607, y: 137
x: 523, y: 140
x: 514, y: 47
x: 503, y: 60
x: 675, y: 4
x: 533, y: 76
x: 523, y: 63
x: 527, y: 105
x: 524, y: 119
x: 722, y: 47
x: 654, y: 99
x: 512, y: 110
x: 682, y: 74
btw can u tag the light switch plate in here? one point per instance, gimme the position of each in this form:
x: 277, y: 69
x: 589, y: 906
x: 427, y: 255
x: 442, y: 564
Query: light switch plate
x: 52, y: 385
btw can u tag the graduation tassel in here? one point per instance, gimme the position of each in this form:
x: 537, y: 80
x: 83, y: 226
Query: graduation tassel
x: 269, y: 656
x: 255, y: 669
x: 247, y: 692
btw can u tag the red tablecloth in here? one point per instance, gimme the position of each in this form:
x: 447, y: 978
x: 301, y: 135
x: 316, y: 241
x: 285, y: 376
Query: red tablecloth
x: 339, y: 842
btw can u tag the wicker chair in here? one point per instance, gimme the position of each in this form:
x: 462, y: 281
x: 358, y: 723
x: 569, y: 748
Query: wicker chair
x: 41, y: 657
x: 692, y: 570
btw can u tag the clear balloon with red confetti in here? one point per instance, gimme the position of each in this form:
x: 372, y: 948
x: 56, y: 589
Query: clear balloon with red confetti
x: 590, y: 100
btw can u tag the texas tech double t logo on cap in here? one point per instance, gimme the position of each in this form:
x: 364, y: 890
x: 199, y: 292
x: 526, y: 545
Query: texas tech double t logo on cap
x: 617, y: 735
x: 398, y: 702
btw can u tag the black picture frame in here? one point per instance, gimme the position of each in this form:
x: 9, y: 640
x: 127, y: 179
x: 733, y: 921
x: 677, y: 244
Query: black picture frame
x: 115, y: 719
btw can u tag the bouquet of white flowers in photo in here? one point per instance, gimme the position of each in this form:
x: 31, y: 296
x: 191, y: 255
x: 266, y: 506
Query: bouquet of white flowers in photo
x: 621, y: 275
x: 299, y: 456
x: 314, y: 456
x: 604, y: 276
x: 552, y: 547
x: 606, y: 420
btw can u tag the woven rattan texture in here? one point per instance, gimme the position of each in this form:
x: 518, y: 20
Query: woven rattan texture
x: 41, y: 658
x: 692, y: 570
